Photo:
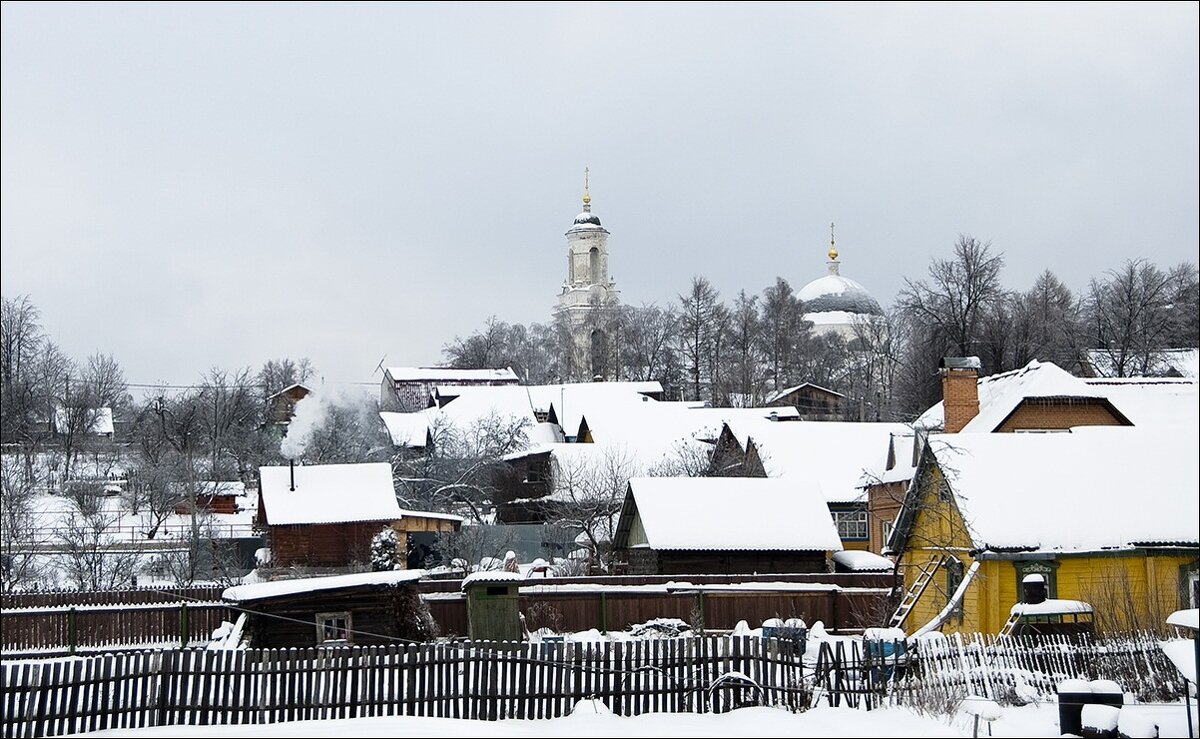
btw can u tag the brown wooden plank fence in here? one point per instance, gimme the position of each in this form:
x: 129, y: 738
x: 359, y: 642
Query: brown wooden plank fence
x: 51, y: 598
x: 50, y: 631
x: 63, y: 629
x: 477, y: 680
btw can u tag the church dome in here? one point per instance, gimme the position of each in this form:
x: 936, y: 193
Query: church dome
x: 587, y: 218
x: 836, y: 293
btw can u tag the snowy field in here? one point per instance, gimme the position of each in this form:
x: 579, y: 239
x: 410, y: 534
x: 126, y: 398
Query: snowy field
x: 1027, y: 721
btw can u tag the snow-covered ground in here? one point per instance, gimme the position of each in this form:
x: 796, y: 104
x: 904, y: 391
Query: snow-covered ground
x: 1026, y: 721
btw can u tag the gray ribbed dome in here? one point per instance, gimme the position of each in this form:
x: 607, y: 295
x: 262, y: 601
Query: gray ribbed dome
x: 836, y: 293
x: 587, y: 218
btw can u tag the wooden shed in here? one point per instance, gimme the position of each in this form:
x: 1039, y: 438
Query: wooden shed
x: 723, y: 525
x: 361, y: 609
x: 326, y: 515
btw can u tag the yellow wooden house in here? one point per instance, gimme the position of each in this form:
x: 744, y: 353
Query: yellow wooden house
x: 1108, y: 516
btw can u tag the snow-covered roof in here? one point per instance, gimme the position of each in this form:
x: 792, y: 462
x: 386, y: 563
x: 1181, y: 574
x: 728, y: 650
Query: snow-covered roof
x: 408, y: 429
x: 493, y: 576
x: 469, y: 407
x: 788, y: 390
x: 1152, y: 401
x: 102, y: 420
x: 860, y: 560
x: 1165, y: 362
x: 1188, y: 618
x: 731, y: 514
x: 1000, y: 394
x: 448, y: 375
x: 642, y: 423
x: 840, y: 455
x: 278, y: 588
x: 1095, y: 488
x: 329, y: 493
x: 293, y: 386
x: 542, y: 396
x: 1051, y: 606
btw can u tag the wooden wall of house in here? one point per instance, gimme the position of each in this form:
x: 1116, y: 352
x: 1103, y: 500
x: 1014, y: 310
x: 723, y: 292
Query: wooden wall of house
x: 883, y: 503
x: 374, y: 613
x: 419, y: 525
x: 323, y: 545
x: 1134, y: 588
x: 642, y: 561
x: 1034, y: 413
x: 522, y: 479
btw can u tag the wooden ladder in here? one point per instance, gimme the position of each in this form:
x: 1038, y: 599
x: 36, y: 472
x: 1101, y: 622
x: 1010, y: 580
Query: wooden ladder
x: 1010, y: 624
x: 928, y: 570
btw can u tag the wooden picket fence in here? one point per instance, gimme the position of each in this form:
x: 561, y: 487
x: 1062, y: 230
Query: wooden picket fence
x: 474, y: 680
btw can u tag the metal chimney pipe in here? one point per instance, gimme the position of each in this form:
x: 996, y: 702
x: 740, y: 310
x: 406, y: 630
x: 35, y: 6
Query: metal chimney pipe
x: 292, y: 467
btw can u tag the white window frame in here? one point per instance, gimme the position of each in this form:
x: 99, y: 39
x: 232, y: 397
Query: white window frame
x: 858, y: 519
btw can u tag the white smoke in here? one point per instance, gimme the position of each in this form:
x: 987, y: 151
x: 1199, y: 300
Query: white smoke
x: 307, y: 417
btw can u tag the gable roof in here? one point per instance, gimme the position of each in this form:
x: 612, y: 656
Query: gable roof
x: 449, y: 375
x: 788, y: 390
x: 729, y: 514
x: 1153, y: 401
x: 293, y: 386
x: 841, y: 455
x: 329, y: 493
x: 1001, y: 394
x: 1095, y: 488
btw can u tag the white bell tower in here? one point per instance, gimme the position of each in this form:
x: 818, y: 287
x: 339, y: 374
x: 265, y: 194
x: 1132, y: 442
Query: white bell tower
x: 587, y: 261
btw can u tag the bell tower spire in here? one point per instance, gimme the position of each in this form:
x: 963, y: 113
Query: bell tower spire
x: 833, y: 253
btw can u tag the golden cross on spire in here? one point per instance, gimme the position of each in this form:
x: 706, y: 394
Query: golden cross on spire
x: 833, y: 252
x: 587, y: 199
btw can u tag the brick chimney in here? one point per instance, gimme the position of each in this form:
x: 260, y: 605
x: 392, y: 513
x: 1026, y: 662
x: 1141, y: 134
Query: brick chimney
x: 960, y: 391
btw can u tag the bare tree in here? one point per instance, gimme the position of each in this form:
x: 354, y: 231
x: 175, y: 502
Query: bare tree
x: 1184, y: 283
x: 700, y: 321
x: 588, y: 493
x: 91, y: 556
x: 1130, y: 316
x: 746, y: 373
x: 20, y: 564
x: 783, y: 327
x: 277, y: 374
x: 456, y: 472
x: 958, y: 297
x: 1047, y: 324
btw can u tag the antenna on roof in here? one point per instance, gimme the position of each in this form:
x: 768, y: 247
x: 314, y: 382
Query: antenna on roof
x: 379, y: 367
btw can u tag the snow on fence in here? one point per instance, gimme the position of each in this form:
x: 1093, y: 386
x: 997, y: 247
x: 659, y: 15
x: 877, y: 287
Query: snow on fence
x: 476, y: 680
x: 1021, y: 669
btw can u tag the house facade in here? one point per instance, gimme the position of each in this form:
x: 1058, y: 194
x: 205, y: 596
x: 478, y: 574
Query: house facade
x: 1074, y: 508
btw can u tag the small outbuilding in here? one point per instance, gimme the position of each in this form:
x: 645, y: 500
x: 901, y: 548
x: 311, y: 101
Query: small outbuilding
x: 493, y: 605
x: 724, y: 525
x: 361, y: 609
x: 326, y: 515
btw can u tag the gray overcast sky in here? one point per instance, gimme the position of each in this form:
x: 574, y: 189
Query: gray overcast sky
x: 188, y: 186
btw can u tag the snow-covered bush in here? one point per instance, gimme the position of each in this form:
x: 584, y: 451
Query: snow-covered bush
x: 659, y: 628
x: 385, y: 554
